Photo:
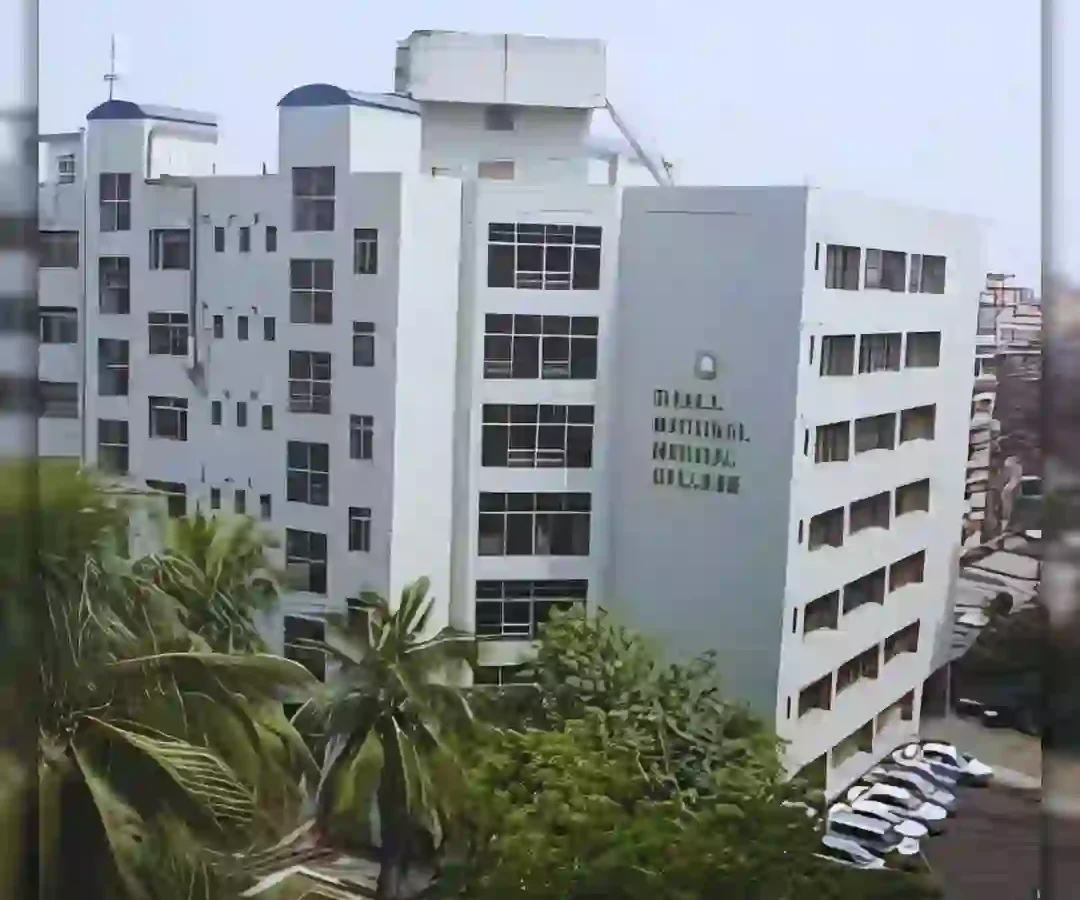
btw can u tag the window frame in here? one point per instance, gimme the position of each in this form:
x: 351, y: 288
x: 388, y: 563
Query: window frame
x: 311, y: 302
x: 361, y: 436
x: 314, y: 192
x: 165, y: 409
x: 532, y: 523
x: 107, y: 364
x: 359, y: 529
x: 307, y: 473
x: 535, y: 436
x: 168, y: 333
x: 114, y: 201
x: 529, y: 256
x: 302, y: 548
x: 365, y: 251
x: 524, y: 347
x: 304, y: 397
x: 170, y: 249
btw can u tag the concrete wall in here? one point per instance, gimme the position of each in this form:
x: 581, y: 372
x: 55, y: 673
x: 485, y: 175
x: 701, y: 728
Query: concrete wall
x: 703, y: 570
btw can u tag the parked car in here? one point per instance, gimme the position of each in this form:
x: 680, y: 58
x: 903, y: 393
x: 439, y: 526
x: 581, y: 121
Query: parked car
x: 901, y: 824
x: 907, y: 777
x: 941, y: 776
x: 879, y: 837
x: 903, y: 801
x: 948, y: 755
x: 847, y: 852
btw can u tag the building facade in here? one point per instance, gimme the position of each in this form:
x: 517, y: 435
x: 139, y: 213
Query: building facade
x: 444, y: 339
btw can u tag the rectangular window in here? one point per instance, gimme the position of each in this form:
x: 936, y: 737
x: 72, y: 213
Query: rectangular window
x: 219, y: 239
x: 927, y: 274
x: 114, y: 285
x: 215, y: 498
x: 219, y: 326
x: 886, y: 270
x: 544, y: 257
x: 359, y: 529
x: 170, y: 248
x: 168, y: 418
x: 534, y: 436
x: 58, y: 249
x: 311, y: 291
x: 816, y: 696
x: 906, y: 640
x: 822, y: 613
x: 868, y: 589
x: 858, y: 668
x: 58, y: 399
x: 880, y: 352
x: 307, y: 474
x: 309, y: 382
x: 842, y: 267
x: 363, y: 344
x: 875, y: 433
x: 241, y: 328
x: 918, y: 423
x: 168, y: 334
x: 832, y: 442
x: 65, y: 168
x: 264, y: 507
x: 245, y: 238
x: 517, y: 609
x: 113, y: 446
x: 241, y: 414
x: 495, y: 169
x: 499, y: 118
x: 909, y: 570
x: 838, y: 354
x: 302, y: 639
x: 547, y: 347
x: 923, y: 350
x: 528, y: 524
x: 361, y: 437
x: 366, y: 251
x: 313, y: 191
x: 114, y: 199
x: 269, y: 329
x: 870, y: 512
x: 987, y: 323
x: 215, y: 412
x: 59, y: 324
x: 305, y: 560
x: 827, y: 529
x: 175, y: 494
x: 240, y: 502
x: 114, y: 367
x: 914, y: 497
x: 271, y: 239
x: 267, y: 417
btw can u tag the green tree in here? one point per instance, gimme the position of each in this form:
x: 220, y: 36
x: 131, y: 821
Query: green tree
x: 627, y: 778
x: 388, y: 770
x: 154, y: 755
x: 218, y: 568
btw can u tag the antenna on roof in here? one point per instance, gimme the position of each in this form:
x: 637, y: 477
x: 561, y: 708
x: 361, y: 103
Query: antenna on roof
x: 113, y: 75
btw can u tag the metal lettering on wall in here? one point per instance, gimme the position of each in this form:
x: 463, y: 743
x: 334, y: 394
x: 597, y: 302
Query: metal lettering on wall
x: 692, y: 448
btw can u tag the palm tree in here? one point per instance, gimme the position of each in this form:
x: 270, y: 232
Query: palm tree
x: 217, y: 566
x: 155, y: 756
x: 389, y: 773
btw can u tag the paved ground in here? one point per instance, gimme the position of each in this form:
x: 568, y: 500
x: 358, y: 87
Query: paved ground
x: 998, y: 747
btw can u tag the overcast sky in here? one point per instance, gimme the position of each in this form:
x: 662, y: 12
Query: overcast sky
x: 926, y: 101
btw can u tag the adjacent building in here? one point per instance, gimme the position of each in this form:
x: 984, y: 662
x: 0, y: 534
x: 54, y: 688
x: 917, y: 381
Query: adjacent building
x: 445, y: 339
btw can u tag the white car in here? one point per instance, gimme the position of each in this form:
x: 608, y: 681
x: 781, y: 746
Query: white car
x: 847, y: 852
x: 902, y: 801
x: 901, y: 824
x: 906, y: 777
x: 939, y: 775
x: 947, y: 754
x: 875, y: 835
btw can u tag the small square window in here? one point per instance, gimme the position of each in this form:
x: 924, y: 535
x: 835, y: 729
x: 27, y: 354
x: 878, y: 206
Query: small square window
x: 269, y: 329
x: 264, y: 507
x: 215, y: 498
x: 241, y: 414
x: 242, y: 328
x: 240, y: 502
x: 271, y: 238
x: 267, y: 417
x: 219, y: 326
x: 245, y: 238
x: 219, y: 239
x: 215, y: 412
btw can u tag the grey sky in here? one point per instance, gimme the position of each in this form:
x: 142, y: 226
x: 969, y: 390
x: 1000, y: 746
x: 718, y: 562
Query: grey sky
x: 926, y: 101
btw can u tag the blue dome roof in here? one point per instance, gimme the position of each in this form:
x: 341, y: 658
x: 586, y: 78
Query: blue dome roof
x: 126, y: 109
x: 332, y: 95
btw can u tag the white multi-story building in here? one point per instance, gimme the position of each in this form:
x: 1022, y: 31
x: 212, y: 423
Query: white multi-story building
x: 442, y: 339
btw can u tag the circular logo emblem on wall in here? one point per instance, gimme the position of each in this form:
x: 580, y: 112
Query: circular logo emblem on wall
x: 705, y: 366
